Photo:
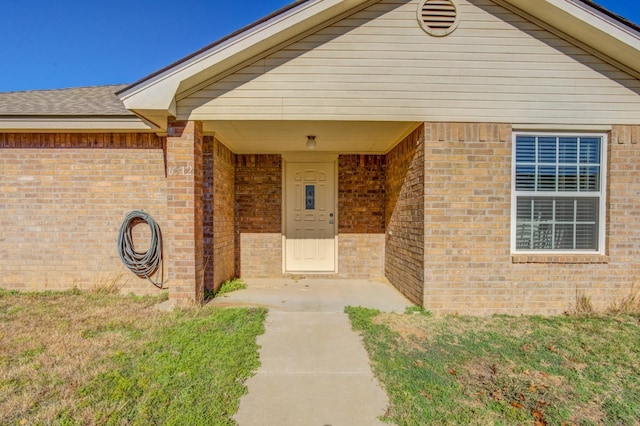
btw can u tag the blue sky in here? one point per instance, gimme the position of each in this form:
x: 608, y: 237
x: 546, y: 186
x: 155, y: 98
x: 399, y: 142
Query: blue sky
x: 49, y: 44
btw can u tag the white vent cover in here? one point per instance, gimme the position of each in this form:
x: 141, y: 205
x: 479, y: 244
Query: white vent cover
x: 438, y: 17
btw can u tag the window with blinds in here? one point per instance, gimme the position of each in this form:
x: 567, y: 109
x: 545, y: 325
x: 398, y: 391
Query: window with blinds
x: 558, y: 193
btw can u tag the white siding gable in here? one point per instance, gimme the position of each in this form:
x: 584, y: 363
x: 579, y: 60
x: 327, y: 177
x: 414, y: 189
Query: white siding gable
x: 379, y: 65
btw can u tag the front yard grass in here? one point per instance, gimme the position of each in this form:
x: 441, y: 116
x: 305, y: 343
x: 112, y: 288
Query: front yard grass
x: 503, y: 370
x: 95, y: 358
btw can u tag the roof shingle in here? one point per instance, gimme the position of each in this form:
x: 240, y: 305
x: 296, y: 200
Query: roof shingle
x: 80, y: 101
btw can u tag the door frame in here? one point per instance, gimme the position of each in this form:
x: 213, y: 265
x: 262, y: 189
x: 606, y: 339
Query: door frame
x: 309, y: 157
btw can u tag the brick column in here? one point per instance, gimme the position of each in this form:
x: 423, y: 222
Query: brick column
x: 184, y: 236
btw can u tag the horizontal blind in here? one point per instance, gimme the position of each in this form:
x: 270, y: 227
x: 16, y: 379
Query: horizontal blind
x: 557, y: 183
x: 557, y: 223
x: 558, y: 164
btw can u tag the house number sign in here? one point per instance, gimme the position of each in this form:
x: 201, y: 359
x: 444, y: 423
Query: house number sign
x: 186, y: 170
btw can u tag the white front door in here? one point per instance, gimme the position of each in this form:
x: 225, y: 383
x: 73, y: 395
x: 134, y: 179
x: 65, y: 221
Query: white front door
x: 310, y: 220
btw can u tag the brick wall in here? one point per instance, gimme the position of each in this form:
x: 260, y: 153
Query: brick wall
x: 467, y: 218
x: 623, y: 218
x: 81, y: 140
x: 223, y: 261
x: 259, y: 215
x: 468, y: 264
x: 185, y: 212
x: 361, y: 194
x: 404, y: 215
x: 444, y: 194
x: 208, y: 199
x: 361, y: 256
x: 260, y: 255
x: 61, y: 207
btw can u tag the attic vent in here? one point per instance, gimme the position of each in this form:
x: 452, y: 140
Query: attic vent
x: 438, y: 17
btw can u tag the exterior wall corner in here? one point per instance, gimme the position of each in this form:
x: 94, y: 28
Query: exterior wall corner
x: 185, y: 245
x: 404, y: 216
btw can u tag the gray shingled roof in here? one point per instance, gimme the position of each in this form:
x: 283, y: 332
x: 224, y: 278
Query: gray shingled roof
x: 79, y: 101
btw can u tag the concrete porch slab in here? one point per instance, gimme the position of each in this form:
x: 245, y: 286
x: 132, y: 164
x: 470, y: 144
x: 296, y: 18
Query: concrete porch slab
x: 316, y: 295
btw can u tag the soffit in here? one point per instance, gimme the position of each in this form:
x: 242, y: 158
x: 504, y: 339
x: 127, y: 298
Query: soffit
x: 265, y: 137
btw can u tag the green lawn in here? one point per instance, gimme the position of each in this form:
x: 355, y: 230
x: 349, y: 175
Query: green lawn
x: 89, y: 358
x: 503, y: 370
x: 99, y: 358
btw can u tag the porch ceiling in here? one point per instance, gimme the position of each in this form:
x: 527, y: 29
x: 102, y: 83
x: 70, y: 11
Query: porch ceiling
x: 264, y: 137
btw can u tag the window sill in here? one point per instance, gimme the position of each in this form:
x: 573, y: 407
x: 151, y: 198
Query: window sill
x: 560, y: 258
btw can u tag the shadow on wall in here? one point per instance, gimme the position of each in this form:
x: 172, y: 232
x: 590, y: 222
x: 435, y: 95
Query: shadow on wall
x: 404, y: 216
x: 562, y: 46
x: 361, y: 194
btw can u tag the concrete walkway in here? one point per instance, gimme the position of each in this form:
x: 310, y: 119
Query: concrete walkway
x: 314, y: 369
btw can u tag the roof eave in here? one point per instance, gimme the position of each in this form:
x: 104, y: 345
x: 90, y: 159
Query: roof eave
x: 210, y: 46
x: 155, y: 95
x: 51, y: 123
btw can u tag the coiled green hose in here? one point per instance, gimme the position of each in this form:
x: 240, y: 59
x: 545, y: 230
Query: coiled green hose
x: 142, y: 264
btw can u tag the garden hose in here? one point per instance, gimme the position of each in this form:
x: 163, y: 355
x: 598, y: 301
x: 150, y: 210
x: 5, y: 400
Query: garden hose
x: 142, y: 264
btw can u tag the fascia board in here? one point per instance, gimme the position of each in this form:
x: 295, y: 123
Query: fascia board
x: 158, y: 93
x: 75, y: 124
x: 588, y: 26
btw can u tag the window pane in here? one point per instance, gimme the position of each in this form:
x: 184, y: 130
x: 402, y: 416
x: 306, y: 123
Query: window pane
x: 568, y: 151
x: 586, y: 237
x: 590, y: 179
x: 557, y: 223
x: 524, y: 209
x: 564, y: 166
x: 543, y: 210
x: 565, y: 210
x: 567, y: 178
x: 523, y: 236
x: 525, y: 149
x: 590, y: 150
x: 546, y: 178
x: 564, y: 237
x: 310, y: 197
x: 525, y: 178
x: 547, y: 150
x: 543, y: 236
x: 587, y: 210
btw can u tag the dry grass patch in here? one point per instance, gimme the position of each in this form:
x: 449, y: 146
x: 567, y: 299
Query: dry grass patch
x: 101, y: 358
x: 410, y: 328
x: 628, y: 305
x: 569, y: 370
x: 53, y: 344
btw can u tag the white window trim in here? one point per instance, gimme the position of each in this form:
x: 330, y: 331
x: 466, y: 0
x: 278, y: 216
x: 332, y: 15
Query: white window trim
x: 602, y: 219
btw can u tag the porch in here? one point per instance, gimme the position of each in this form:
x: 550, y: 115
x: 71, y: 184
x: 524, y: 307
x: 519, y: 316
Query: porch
x: 366, y: 203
